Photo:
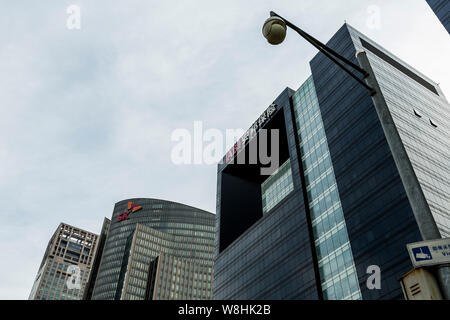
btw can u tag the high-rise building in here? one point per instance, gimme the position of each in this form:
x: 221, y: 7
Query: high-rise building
x: 336, y: 205
x: 442, y: 10
x: 156, y: 250
x: 65, y: 267
x: 97, y: 257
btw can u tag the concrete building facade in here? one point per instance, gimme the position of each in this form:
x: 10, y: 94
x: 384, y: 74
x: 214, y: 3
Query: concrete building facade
x: 66, y: 265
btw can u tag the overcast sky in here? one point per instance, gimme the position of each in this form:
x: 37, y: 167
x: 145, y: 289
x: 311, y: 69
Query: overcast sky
x: 86, y: 115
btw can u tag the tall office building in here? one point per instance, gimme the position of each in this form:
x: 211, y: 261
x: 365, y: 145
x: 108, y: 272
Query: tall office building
x: 65, y: 267
x: 156, y: 250
x: 336, y: 205
x: 97, y: 257
x: 442, y: 10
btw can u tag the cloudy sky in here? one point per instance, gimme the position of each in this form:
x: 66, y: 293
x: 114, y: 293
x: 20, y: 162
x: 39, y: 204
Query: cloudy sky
x: 86, y: 115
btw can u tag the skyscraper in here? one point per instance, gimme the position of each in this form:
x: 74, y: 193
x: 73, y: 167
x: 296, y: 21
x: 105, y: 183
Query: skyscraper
x: 337, y: 205
x: 65, y: 268
x: 97, y: 258
x: 442, y: 10
x: 156, y: 250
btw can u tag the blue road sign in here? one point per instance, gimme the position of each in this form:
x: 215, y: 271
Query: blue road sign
x: 428, y: 253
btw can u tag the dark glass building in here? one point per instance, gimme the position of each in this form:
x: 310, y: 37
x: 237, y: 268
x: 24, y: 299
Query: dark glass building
x: 97, y: 257
x: 337, y: 204
x: 156, y: 249
x: 442, y: 10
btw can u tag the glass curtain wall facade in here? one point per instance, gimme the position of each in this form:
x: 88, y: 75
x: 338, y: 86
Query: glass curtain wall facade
x: 131, y: 250
x: 348, y: 209
x: 421, y: 114
x: 277, y: 187
x: 265, y: 253
x: 96, y: 264
x: 162, y: 266
x: 378, y: 215
x: 337, y: 270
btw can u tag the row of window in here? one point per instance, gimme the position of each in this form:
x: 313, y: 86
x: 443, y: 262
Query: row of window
x: 329, y: 228
x: 277, y: 187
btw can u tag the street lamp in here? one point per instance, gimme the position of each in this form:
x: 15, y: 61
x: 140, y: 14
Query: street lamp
x: 274, y: 30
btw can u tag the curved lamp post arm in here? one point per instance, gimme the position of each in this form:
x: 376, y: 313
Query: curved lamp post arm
x: 329, y: 53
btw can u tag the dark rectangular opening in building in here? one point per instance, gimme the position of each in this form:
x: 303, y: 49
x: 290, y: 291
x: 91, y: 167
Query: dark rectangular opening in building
x: 241, y: 198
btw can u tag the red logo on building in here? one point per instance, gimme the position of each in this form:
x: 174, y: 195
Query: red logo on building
x: 130, y: 209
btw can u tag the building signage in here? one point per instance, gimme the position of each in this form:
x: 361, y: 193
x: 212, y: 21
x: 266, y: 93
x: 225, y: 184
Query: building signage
x: 428, y: 253
x: 251, y: 133
x: 130, y: 209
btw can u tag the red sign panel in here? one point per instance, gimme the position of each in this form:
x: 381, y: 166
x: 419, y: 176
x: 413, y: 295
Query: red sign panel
x: 250, y: 133
x: 130, y: 209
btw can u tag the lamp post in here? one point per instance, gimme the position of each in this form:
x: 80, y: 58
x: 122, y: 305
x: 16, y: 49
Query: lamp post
x: 274, y: 30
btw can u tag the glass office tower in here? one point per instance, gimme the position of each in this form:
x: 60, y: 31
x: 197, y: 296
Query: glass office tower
x: 97, y: 257
x: 66, y: 265
x: 442, y: 10
x: 342, y: 206
x: 333, y: 251
x: 156, y: 249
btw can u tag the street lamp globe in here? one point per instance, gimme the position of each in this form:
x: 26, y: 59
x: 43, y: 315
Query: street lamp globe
x: 274, y: 30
